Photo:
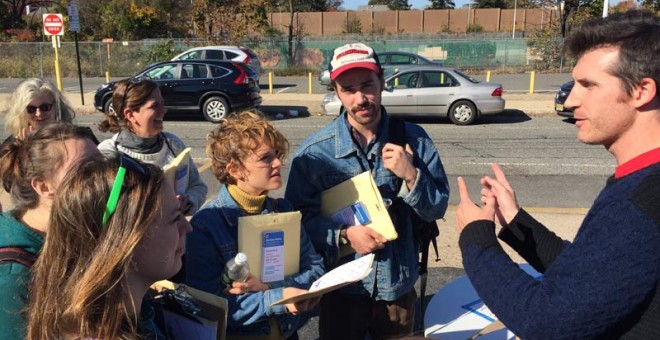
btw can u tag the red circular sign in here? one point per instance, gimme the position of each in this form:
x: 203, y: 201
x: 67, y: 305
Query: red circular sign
x: 53, y: 24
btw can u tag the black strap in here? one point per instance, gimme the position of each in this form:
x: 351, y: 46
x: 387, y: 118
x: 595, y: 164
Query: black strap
x: 397, y: 135
x: 18, y: 255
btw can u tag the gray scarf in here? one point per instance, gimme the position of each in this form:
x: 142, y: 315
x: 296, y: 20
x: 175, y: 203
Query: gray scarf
x: 139, y: 144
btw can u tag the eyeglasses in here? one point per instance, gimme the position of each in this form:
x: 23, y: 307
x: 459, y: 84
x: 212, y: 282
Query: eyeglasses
x: 125, y: 162
x: 129, y: 82
x: 43, y: 108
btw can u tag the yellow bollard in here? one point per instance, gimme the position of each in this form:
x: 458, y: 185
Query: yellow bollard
x: 58, y: 76
x: 107, y: 76
x: 396, y: 80
x: 310, y: 82
x: 270, y: 82
x: 531, y: 82
x: 488, y: 76
x: 442, y: 78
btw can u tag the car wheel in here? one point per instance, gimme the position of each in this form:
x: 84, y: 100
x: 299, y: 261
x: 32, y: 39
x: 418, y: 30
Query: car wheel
x: 215, y: 108
x: 107, y: 107
x: 462, y: 112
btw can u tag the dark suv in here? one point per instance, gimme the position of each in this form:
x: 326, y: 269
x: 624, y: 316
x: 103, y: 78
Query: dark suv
x: 213, y: 87
x: 560, y: 98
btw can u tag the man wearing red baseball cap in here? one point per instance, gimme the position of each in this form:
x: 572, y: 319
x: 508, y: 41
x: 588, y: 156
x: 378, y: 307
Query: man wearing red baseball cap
x: 409, y: 176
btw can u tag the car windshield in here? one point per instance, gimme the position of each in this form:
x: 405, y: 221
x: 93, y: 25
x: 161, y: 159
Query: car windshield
x: 470, y: 79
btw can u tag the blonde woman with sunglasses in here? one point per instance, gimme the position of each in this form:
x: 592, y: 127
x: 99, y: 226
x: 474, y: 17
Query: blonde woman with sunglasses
x: 35, y: 103
x: 137, y: 124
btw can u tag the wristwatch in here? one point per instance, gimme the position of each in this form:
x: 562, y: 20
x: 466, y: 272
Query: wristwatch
x: 343, y: 235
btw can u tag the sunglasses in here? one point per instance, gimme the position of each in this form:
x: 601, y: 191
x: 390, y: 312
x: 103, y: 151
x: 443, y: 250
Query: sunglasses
x: 43, y: 108
x: 130, y: 83
x: 125, y: 162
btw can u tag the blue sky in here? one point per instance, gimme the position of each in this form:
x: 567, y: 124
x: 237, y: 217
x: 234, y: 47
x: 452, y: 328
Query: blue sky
x: 416, y: 4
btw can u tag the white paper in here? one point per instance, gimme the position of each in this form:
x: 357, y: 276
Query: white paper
x: 273, y: 256
x: 348, y: 272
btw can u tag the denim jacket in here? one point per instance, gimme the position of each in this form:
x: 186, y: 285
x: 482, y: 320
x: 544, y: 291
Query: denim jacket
x: 330, y: 157
x: 214, y: 241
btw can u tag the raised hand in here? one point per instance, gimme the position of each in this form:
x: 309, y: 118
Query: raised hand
x: 468, y: 212
x: 507, y: 206
x: 400, y: 162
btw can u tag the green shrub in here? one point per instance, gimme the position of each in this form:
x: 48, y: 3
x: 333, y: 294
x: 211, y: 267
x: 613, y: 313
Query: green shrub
x: 296, y: 70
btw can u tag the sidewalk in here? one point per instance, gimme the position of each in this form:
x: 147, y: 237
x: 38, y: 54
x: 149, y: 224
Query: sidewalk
x: 532, y: 104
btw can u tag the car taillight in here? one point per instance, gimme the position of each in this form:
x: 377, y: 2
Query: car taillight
x: 247, y: 56
x: 242, y: 77
x: 497, y: 92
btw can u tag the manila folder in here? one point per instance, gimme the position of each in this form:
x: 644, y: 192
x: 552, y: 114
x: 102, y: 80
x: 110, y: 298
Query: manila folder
x: 177, y: 171
x: 250, y: 236
x: 361, y: 188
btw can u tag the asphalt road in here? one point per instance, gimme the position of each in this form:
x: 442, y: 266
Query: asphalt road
x: 514, y: 83
x: 544, y: 161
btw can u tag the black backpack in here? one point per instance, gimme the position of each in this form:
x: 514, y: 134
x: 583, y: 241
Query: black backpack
x: 424, y: 232
x: 18, y: 255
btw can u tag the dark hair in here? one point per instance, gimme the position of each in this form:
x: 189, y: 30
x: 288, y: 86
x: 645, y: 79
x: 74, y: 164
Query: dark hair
x: 139, y: 90
x: 637, y: 35
x: 35, y: 157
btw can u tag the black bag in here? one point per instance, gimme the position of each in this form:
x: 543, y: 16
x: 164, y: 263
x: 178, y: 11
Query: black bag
x: 424, y: 232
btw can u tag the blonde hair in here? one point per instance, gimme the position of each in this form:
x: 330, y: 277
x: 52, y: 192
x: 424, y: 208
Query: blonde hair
x: 27, y: 91
x: 79, y: 286
x: 236, y: 137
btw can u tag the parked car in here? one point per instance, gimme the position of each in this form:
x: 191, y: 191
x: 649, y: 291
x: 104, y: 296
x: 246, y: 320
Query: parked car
x: 234, y: 53
x: 560, y: 98
x: 434, y: 92
x: 392, y: 61
x: 213, y: 87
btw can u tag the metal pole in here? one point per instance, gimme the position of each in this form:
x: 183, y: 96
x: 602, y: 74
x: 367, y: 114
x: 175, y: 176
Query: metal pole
x: 82, y: 97
x: 515, y: 9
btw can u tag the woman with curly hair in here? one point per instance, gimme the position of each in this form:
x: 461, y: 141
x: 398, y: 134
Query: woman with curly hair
x: 246, y: 155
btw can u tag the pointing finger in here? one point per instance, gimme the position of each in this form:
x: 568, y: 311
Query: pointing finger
x: 463, y: 191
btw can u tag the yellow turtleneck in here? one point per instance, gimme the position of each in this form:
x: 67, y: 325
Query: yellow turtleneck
x: 249, y: 203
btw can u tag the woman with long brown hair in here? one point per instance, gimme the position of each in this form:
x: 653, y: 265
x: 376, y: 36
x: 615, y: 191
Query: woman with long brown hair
x: 31, y: 170
x: 116, y: 228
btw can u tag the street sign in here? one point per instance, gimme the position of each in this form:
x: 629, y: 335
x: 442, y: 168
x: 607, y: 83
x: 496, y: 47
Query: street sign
x: 74, y: 19
x: 53, y: 24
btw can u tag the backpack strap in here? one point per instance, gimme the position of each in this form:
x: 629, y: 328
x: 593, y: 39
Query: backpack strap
x: 18, y: 255
x: 397, y: 135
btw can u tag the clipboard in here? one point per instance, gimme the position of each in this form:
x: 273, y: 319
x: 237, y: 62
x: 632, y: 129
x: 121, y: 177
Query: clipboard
x: 360, y: 190
x: 344, y: 275
x: 251, y: 231
x: 177, y: 171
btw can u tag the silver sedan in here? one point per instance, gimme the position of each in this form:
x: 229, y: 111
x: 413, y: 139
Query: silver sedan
x: 434, y: 92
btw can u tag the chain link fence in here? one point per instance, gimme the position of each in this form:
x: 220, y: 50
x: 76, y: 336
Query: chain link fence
x: 125, y: 58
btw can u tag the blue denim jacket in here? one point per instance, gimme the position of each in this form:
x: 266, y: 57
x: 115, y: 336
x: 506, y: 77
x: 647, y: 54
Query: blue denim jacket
x: 330, y: 157
x: 214, y: 241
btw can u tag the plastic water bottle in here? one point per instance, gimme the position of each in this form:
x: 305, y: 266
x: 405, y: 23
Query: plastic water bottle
x: 237, y: 269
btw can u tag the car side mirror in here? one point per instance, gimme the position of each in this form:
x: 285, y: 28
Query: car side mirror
x: 389, y: 88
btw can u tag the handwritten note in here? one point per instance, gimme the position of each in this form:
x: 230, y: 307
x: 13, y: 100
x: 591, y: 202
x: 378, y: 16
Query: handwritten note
x: 341, y: 276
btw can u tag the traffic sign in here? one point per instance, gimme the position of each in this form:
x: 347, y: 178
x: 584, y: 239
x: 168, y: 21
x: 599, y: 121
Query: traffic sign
x: 74, y: 19
x: 53, y: 24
